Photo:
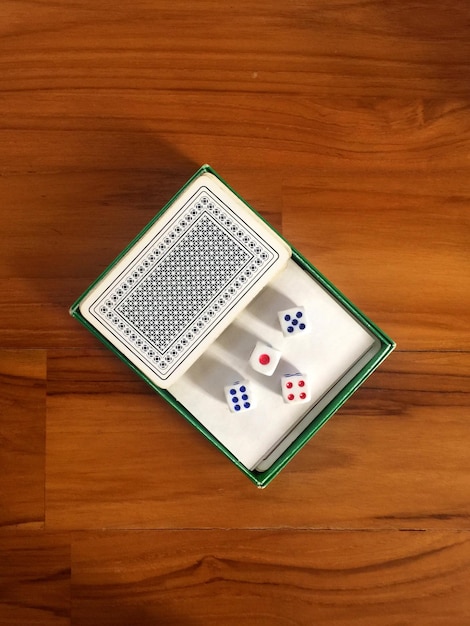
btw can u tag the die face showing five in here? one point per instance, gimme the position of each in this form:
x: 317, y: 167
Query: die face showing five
x: 264, y: 358
x: 294, y: 321
x: 295, y: 388
x: 239, y: 396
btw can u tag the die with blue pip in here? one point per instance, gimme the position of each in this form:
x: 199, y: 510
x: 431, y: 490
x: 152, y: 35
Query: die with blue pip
x: 239, y: 396
x: 294, y: 321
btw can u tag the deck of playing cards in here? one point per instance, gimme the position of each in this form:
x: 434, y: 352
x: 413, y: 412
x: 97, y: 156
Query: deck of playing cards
x: 205, y: 302
x: 185, y: 280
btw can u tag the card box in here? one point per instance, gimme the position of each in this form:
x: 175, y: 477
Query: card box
x: 185, y: 303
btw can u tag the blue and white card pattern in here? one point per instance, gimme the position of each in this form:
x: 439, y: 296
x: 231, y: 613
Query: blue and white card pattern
x: 171, y: 297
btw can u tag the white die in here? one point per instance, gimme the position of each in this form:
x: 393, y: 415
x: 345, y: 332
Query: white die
x: 239, y: 396
x: 295, y: 388
x: 264, y: 358
x: 294, y: 321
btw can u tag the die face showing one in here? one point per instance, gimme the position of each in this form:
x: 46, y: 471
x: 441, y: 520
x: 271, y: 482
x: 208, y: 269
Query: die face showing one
x: 294, y: 321
x: 239, y: 396
x: 264, y: 358
x: 295, y: 388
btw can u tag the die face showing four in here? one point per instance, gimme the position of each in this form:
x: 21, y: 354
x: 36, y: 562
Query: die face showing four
x: 264, y: 358
x: 294, y: 321
x: 239, y: 396
x: 295, y: 388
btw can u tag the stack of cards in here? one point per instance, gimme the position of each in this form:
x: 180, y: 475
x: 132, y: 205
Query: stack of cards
x: 185, y: 280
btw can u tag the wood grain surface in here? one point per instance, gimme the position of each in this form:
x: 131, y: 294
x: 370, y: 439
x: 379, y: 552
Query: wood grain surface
x: 347, y: 125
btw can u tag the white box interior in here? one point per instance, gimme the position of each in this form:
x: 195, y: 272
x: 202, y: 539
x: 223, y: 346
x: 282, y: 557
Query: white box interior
x: 335, y: 350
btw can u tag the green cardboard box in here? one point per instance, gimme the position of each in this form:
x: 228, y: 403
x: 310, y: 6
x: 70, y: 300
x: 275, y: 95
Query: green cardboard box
x: 187, y: 301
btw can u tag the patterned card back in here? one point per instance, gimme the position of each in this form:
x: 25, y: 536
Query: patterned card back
x: 185, y: 279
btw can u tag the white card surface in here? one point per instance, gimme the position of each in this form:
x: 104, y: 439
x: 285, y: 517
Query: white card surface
x: 328, y: 355
x: 185, y: 280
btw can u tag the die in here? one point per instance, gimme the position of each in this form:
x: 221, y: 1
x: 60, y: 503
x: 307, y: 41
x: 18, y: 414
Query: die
x: 264, y: 358
x: 239, y: 396
x: 294, y: 321
x: 295, y: 388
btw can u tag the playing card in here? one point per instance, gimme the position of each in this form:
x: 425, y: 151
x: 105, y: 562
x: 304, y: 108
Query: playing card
x: 185, y: 279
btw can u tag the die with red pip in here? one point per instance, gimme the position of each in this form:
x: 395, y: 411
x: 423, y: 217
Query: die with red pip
x: 295, y: 388
x: 264, y: 358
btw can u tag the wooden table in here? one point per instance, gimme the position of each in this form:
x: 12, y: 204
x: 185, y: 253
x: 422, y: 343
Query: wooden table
x: 347, y: 125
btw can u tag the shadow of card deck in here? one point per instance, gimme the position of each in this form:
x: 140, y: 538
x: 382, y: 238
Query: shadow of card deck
x: 204, y: 305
